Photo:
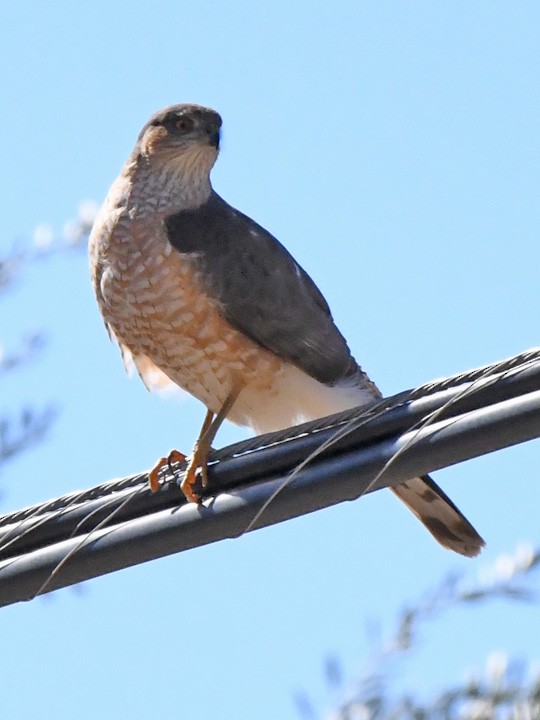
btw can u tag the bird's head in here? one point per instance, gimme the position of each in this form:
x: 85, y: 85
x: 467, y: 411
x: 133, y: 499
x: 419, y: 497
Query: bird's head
x: 182, y: 137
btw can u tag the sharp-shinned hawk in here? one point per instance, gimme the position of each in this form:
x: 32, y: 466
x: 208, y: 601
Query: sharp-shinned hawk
x: 197, y: 294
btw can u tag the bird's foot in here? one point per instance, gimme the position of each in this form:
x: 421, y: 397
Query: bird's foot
x: 175, y: 456
x: 197, y: 461
x: 189, y: 481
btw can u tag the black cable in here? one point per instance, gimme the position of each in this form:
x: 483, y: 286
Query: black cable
x: 493, y: 407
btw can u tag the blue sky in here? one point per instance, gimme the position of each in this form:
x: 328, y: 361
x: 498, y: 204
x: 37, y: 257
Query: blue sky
x: 394, y: 149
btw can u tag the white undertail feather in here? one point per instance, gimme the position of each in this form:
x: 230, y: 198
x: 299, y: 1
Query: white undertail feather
x: 295, y: 397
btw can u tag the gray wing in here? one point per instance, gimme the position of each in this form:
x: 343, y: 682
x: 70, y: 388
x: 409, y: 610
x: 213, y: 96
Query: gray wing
x: 264, y: 293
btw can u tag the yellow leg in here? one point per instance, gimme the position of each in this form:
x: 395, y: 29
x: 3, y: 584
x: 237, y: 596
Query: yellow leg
x: 199, y: 456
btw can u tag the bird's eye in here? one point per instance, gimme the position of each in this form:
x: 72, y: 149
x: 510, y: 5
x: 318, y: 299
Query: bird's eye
x: 184, y: 124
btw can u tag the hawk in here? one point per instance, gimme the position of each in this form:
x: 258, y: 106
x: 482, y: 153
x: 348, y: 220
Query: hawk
x: 197, y: 294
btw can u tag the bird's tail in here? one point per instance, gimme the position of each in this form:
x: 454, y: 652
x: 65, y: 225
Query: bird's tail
x: 439, y: 515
